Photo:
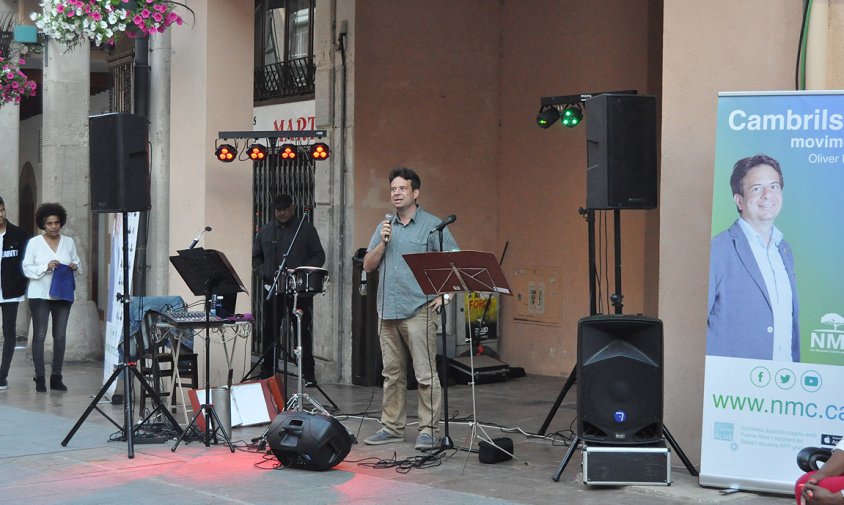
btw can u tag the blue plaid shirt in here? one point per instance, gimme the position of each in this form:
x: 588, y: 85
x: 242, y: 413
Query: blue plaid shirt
x: 396, y: 281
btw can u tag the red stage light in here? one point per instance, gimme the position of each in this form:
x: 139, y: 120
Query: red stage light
x: 257, y: 152
x: 319, y: 151
x: 287, y: 152
x: 226, y: 153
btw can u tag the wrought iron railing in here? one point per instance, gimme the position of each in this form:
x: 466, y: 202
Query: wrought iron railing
x: 120, y: 77
x: 286, y: 78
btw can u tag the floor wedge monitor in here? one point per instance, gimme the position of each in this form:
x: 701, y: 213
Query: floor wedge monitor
x: 619, y: 379
x: 308, y: 441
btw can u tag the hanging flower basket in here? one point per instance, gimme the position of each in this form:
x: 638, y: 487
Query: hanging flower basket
x: 74, y: 22
x: 14, y: 84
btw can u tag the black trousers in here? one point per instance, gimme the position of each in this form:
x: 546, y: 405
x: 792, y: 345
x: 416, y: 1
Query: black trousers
x: 9, y: 315
x: 273, y: 332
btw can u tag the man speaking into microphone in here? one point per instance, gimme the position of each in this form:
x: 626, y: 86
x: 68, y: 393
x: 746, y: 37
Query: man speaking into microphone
x: 407, y: 317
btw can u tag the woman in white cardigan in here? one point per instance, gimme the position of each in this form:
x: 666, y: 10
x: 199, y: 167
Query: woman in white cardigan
x: 45, y: 254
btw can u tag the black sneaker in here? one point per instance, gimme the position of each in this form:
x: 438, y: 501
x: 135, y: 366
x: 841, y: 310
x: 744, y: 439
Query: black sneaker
x: 309, y: 383
x: 4, y: 385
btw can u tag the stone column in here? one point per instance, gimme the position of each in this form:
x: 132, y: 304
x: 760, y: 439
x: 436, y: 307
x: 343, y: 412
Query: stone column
x: 65, y: 179
x: 158, y: 241
x: 10, y: 161
x: 10, y: 187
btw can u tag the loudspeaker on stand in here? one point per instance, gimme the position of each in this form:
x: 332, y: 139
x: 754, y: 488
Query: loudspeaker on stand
x: 119, y: 161
x: 620, y: 377
x: 621, y: 152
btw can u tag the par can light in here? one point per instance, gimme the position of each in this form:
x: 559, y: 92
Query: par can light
x: 319, y: 151
x: 226, y: 153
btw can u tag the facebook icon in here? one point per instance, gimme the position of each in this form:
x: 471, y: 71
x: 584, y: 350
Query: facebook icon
x: 620, y: 416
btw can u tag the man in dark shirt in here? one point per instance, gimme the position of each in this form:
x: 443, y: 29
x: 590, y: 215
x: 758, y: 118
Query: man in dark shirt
x: 12, y: 286
x: 267, y: 254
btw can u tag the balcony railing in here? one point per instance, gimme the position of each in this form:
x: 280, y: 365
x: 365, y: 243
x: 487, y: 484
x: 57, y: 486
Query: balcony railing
x: 287, y: 78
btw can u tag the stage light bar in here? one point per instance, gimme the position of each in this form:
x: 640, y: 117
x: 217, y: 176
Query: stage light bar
x: 547, y: 117
x: 572, y: 116
x: 319, y: 151
x: 257, y: 152
x: 288, y: 152
x: 226, y: 153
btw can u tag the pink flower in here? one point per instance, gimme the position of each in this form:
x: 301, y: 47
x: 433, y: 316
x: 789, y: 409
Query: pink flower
x: 59, y: 8
x: 15, y: 85
x: 145, y: 13
x: 96, y: 16
x: 137, y: 20
x: 157, y: 17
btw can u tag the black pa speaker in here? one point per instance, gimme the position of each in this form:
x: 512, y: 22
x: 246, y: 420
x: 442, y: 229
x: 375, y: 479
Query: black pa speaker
x: 308, y: 441
x: 619, y: 379
x: 119, y: 163
x: 621, y: 152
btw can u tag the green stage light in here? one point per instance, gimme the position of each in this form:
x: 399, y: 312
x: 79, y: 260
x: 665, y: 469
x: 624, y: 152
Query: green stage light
x: 572, y: 116
x: 546, y: 118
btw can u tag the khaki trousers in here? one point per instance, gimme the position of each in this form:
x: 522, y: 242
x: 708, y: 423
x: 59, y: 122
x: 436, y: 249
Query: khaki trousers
x: 417, y: 336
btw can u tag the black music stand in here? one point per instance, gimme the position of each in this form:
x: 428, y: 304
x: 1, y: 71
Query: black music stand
x: 459, y: 271
x: 207, y: 271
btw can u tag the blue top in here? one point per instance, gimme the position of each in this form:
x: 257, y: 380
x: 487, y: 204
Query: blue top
x: 404, y: 296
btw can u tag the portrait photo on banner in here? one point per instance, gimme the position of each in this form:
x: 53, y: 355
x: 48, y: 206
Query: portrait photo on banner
x: 775, y: 314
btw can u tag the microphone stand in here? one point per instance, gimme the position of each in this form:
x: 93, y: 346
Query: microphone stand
x: 447, y: 442
x: 274, y: 292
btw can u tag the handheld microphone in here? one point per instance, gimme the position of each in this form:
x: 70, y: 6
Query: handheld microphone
x: 388, y: 217
x: 196, y: 240
x: 447, y: 221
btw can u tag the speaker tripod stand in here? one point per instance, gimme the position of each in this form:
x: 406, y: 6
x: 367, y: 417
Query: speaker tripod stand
x: 617, y: 301
x: 127, y: 370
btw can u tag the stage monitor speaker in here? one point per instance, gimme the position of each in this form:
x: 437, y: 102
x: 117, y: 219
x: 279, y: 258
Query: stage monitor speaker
x: 619, y: 379
x: 120, y: 180
x: 308, y: 441
x: 621, y: 152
